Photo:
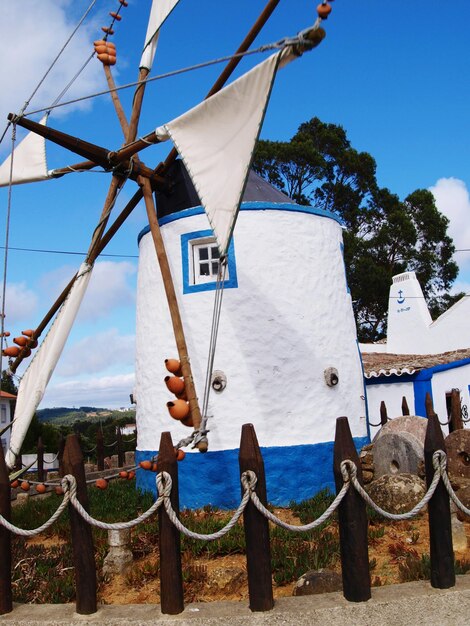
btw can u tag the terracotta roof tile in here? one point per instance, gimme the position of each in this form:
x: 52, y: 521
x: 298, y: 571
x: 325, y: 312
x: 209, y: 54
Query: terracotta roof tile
x: 378, y: 364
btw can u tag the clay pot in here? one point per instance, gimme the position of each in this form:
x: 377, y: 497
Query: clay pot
x: 146, y: 465
x: 123, y: 474
x: 12, y: 351
x: 28, y: 333
x: 21, y: 341
x: 101, y: 483
x: 174, y: 384
x: 173, y: 366
x: 323, y: 10
x: 188, y: 421
x: 59, y: 491
x: 180, y: 454
x: 25, y: 485
x: 178, y: 409
x: 41, y: 488
x: 14, y: 484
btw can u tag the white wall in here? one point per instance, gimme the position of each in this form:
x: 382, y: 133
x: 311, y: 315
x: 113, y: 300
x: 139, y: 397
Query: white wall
x: 410, y: 329
x: 289, y: 319
x: 392, y: 394
x: 6, y: 436
x: 444, y: 382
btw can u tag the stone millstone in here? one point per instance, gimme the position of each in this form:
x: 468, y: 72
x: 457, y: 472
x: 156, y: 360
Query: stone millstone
x: 317, y: 581
x: 458, y: 454
x: 412, y: 424
x: 397, y: 453
x: 397, y: 493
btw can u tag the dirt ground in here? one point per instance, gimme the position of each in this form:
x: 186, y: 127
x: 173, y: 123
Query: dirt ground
x: 384, y: 555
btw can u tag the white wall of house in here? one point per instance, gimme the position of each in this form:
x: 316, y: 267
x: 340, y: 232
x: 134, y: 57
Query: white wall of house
x: 390, y: 393
x: 443, y: 382
x: 410, y: 329
x: 5, y: 418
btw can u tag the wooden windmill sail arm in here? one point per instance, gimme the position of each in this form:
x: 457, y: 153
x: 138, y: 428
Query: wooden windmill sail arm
x: 93, y: 254
x: 97, y: 154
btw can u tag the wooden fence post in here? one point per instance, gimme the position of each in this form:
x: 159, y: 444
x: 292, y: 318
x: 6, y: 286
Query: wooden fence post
x: 99, y: 450
x: 171, y: 575
x: 404, y: 406
x: 40, y: 452
x: 440, y: 530
x: 81, y: 535
x: 428, y: 405
x: 6, y: 601
x: 456, y: 422
x: 120, y: 449
x: 352, y: 517
x: 383, y: 413
x: 256, y: 526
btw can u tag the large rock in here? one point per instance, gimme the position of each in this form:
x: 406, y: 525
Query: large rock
x: 458, y: 454
x: 317, y: 581
x: 397, y: 453
x: 119, y: 558
x: 226, y: 579
x: 462, y: 491
x: 397, y: 493
x: 411, y: 424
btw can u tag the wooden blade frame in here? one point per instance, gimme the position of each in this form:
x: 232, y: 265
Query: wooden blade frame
x: 147, y: 179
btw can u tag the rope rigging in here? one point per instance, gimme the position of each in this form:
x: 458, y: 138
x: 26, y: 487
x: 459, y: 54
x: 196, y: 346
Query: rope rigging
x: 300, y: 39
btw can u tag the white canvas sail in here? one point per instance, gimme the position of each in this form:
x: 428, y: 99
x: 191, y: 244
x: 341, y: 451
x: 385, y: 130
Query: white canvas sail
x: 160, y: 10
x: 29, y: 161
x: 33, y: 384
x: 216, y: 140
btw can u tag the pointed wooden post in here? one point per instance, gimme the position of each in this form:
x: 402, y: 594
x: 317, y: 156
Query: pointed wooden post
x: 256, y: 526
x: 81, y: 535
x: 428, y: 405
x: 383, y: 413
x: 99, y: 450
x: 352, y: 521
x: 404, y: 406
x: 456, y: 422
x: 120, y: 448
x: 440, y: 530
x: 40, y: 451
x: 171, y: 576
x: 6, y: 600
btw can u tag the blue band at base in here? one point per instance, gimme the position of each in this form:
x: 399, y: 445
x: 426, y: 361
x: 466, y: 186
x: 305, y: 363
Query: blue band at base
x: 293, y: 473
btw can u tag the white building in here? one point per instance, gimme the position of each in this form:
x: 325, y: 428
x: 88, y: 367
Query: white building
x: 419, y: 355
x: 5, y: 417
x: 286, y: 320
x: 410, y: 328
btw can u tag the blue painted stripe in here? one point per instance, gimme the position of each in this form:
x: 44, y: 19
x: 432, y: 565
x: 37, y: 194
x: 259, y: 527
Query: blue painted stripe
x: 292, y: 473
x: 420, y: 389
x: 246, y: 206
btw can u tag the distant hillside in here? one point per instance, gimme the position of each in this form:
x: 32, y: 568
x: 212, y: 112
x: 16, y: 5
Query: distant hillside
x: 63, y: 416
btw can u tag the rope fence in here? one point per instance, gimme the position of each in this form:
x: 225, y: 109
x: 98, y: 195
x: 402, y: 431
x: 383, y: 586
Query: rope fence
x: 349, y: 505
x: 248, y: 480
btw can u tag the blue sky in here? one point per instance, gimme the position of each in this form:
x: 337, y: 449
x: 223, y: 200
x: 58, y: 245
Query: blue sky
x: 393, y: 74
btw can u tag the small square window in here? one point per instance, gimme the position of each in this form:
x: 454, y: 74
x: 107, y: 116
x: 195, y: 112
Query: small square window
x: 201, y: 264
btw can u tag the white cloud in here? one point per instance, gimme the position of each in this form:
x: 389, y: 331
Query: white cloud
x: 97, y: 353
x: 111, y: 286
x: 106, y: 391
x: 32, y: 34
x: 20, y: 306
x: 453, y: 200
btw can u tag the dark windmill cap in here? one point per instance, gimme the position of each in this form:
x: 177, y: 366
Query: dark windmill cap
x: 182, y: 194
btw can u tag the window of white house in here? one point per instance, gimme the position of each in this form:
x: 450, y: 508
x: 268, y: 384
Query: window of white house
x: 3, y: 414
x: 201, y: 261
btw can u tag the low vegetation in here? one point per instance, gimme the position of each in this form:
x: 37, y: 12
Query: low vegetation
x: 43, y: 568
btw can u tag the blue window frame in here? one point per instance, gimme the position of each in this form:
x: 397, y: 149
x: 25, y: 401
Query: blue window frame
x: 200, y: 261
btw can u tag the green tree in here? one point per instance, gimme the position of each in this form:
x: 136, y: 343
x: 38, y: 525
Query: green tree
x: 384, y: 235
